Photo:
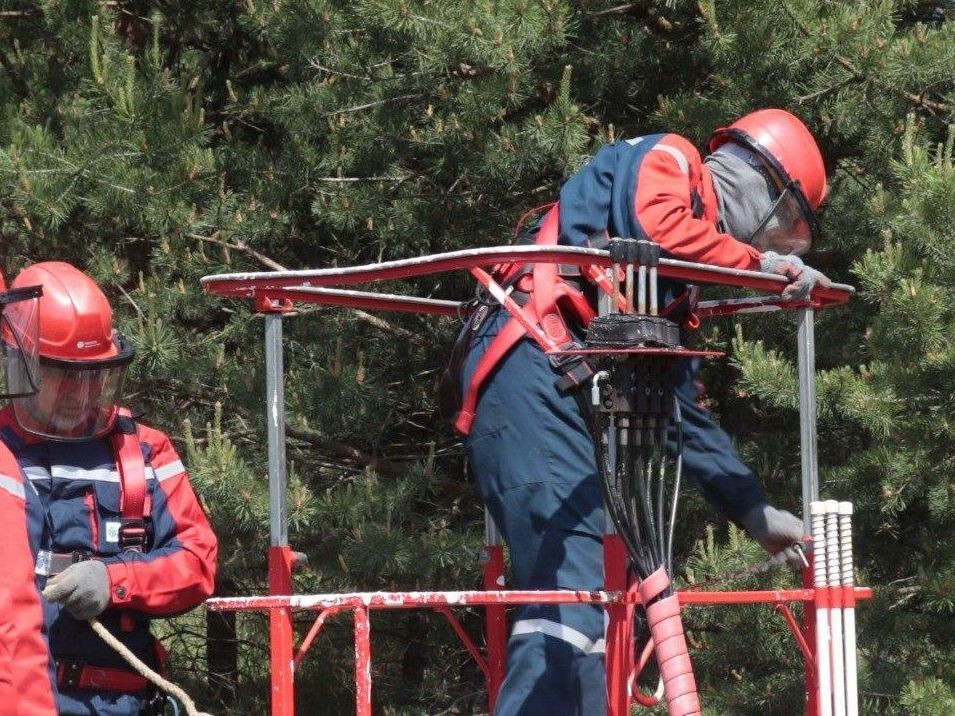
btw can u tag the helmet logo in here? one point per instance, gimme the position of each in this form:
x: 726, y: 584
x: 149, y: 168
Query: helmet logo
x: 87, y: 344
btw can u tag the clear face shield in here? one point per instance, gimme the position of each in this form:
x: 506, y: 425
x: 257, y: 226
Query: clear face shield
x: 20, y: 331
x: 788, y: 227
x: 77, y: 399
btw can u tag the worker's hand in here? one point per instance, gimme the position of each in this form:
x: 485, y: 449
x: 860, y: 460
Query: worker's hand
x: 803, y: 279
x: 82, y: 588
x: 779, y: 532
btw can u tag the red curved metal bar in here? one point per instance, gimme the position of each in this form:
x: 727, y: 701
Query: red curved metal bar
x: 275, y: 283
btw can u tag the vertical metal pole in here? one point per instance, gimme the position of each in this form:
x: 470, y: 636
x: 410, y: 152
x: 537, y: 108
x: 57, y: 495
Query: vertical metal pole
x: 275, y: 395
x: 816, y: 619
x: 807, y: 413
x: 280, y: 557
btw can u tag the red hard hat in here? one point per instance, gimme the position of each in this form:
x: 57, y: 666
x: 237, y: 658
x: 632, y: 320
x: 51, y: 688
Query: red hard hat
x: 783, y: 141
x: 82, y: 359
x: 77, y: 320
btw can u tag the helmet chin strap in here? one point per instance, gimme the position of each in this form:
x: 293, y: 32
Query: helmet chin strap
x: 742, y: 193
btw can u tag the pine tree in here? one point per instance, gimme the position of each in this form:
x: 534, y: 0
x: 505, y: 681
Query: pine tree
x: 153, y: 143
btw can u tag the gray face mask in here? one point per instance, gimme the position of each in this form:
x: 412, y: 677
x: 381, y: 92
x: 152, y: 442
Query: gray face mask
x: 743, y: 193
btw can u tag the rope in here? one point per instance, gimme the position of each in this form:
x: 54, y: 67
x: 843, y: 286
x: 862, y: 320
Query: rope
x: 144, y: 671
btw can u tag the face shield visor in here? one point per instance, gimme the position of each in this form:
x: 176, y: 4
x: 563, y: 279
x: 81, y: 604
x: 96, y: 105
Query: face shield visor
x: 787, y: 228
x: 20, y: 331
x: 77, y: 399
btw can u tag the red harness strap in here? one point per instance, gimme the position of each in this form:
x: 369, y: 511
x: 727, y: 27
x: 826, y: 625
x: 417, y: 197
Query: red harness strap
x: 78, y: 676
x: 540, y: 318
x: 134, y: 502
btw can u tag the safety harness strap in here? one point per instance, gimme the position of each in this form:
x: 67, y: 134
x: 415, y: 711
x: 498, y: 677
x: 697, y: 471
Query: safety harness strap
x: 512, y: 332
x: 76, y: 675
x: 539, y: 318
x: 134, y: 502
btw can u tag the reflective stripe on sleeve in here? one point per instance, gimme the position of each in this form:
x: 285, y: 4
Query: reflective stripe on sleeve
x: 14, y: 487
x: 676, y: 154
x: 171, y: 470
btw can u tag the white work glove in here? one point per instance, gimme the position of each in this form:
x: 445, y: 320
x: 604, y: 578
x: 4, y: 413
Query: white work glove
x: 779, y: 532
x: 82, y: 589
x: 803, y: 279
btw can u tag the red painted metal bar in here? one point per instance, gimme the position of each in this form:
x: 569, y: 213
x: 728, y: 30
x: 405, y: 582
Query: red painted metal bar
x: 367, y: 300
x: 794, y: 627
x: 464, y: 637
x: 416, y: 600
x: 253, y: 284
x: 362, y: 661
x: 313, y: 632
x: 809, y: 636
x: 281, y: 634
x: 618, y: 657
x: 495, y: 624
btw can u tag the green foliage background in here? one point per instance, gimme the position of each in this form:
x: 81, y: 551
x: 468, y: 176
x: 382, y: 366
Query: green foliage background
x: 153, y: 142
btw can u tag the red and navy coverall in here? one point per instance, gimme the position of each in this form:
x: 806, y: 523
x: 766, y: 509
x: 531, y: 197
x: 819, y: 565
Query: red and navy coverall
x: 25, y: 685
x: 530, y: 447
x: 73, y: 505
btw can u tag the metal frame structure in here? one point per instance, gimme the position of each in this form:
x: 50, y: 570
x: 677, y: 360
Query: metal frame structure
x: 273, y: 294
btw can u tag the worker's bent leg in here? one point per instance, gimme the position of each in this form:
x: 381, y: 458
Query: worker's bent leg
x: 533, y: 456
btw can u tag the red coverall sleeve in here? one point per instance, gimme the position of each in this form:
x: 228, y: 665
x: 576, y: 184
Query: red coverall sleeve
x: 25, y: 676
x: 179, y: 571
x: 662, y: 205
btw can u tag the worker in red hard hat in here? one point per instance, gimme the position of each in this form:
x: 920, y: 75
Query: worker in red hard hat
x: 770, y: 148
x: 26, y: 687
x: 750, y: 205
x: 83, y: 360
x: 119, y: 532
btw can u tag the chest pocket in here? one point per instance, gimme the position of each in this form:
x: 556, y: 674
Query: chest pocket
x: 109, y: 514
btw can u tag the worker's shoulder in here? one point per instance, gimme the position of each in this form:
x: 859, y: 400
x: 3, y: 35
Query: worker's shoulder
x: 663, y: 149
x: 11, y: 475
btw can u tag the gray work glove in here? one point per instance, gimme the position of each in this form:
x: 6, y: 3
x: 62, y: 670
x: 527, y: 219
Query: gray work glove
x: 779, y: 532
x: 82, y: 588
x: 803, y: 279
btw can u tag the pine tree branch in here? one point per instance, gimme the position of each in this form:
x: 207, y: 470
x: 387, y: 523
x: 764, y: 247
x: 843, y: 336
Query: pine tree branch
x: 828, y: 90
x: 347, y: 180
x: 318, y: 440
x: 359, y: 107
x: 859, y: 76
x: 242, y: 247
x: 18, y: 82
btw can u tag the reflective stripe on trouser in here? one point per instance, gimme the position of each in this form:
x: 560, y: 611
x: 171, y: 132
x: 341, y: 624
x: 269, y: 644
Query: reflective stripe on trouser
x: 532, y: 454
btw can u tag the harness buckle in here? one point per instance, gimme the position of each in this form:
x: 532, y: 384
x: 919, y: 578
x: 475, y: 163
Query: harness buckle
x: 575, y: 369
x: 133, y: 534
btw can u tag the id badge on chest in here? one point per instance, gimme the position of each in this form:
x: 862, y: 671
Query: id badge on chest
x: 111, y: 531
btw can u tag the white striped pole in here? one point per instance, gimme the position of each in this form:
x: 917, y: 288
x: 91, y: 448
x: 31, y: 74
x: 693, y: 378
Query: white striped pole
x: 817, y: 511
x: 848, y: 608
x: 834, y: 580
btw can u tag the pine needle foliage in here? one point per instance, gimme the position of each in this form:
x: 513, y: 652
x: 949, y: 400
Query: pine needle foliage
x: 153, y: 143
